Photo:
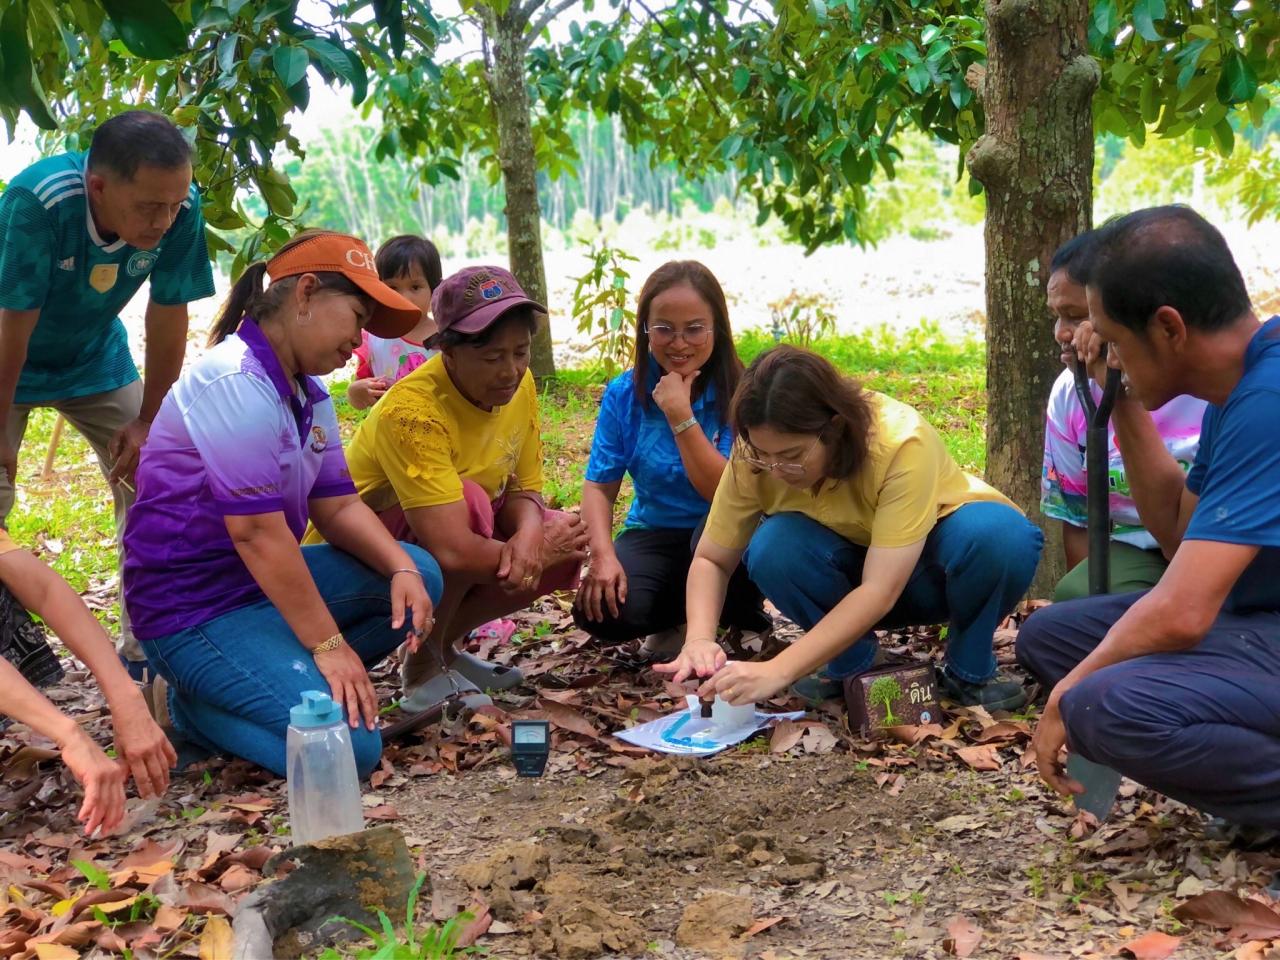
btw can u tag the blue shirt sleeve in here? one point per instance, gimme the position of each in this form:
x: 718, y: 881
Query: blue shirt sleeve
x: 1204, y: 453
x: 183, y: 272
x: 1237, y: 483
x: 608, y: 462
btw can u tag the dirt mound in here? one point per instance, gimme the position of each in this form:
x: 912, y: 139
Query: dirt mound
x: 578, y: 928
x: 714, y: 924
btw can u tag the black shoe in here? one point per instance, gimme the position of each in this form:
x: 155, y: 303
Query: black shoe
x: 998, y: 693
x: 1242, y: 836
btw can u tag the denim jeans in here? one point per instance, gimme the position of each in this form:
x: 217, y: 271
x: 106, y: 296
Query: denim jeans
x: 233, y: 679
x: 976, y: 565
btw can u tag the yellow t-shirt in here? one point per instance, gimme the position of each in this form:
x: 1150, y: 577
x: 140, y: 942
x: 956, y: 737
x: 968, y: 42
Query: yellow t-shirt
x: 6, y: 545
x: 907, y: 485
x: 424, y: 438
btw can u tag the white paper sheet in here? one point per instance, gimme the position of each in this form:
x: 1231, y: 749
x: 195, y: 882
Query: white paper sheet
x: 687, y: 732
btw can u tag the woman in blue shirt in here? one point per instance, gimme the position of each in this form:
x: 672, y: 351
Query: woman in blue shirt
x: 673, y: 437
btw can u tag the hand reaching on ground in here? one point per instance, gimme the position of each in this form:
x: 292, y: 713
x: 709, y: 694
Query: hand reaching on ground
x: 699, y: 657
x: 741, y: 681
x: 103, y: 782
x: 1046, y: 745
x: 143, y: 748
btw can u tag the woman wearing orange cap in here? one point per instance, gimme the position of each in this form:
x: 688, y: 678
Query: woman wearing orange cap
x: 230, y: 610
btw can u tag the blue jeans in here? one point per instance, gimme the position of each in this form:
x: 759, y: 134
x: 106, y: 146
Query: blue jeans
x: 1199, y: 725
x: 976, y: 565
x: 234, y: 678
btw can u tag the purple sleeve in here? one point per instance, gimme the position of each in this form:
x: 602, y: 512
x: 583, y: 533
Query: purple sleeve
x: 235, y: 426
x: 334, y: 479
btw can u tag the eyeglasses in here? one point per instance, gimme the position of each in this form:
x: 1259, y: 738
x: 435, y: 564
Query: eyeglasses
x: 662, y: 334
x: 783, y: 469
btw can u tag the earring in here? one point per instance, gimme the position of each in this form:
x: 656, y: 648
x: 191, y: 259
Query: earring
x: 304, y: 317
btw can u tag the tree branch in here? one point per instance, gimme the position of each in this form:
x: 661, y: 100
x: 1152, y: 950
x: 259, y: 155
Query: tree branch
x: 698, y: 78
x: 545, y: 18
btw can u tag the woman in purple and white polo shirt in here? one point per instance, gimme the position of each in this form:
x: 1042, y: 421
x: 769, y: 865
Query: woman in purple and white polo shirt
x: 229, y: 609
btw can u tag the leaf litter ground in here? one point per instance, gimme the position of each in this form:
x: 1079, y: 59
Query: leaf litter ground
x: 808, y: 841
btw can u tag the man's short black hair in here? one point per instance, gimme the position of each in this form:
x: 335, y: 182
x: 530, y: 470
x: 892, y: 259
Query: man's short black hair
x: 1166, y: 256
x: 397, y: 256
x: 138, y: 138
x: 1073, y: 257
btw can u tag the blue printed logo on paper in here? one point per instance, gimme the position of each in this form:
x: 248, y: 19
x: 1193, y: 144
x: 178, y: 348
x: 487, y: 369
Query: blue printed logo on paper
x: 491, y: 290
x: 140, y: 263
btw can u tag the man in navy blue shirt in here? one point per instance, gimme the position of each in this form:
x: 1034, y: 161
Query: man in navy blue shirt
x: 1178, y: 687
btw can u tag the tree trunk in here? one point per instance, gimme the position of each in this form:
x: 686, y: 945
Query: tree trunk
x: 1035, y: 162
x: 510, y: 100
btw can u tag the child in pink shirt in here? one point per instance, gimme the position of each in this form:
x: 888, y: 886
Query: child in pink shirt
x: 410, y: 266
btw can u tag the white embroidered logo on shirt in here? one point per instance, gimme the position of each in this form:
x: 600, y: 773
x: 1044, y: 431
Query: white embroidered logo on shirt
x: 67, y: 264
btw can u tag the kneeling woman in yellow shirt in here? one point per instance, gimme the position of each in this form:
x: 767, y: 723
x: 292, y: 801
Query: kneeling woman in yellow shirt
x: 451, y: 459
x: 851, y: 515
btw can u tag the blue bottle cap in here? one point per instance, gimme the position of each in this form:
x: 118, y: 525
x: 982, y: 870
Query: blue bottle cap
x: 316, y: 710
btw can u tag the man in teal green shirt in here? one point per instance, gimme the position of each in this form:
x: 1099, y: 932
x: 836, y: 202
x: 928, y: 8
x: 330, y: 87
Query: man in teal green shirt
x: 79, y: 234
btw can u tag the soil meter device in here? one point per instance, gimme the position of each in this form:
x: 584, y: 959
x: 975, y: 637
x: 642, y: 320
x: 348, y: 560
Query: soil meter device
x: 530, y: 745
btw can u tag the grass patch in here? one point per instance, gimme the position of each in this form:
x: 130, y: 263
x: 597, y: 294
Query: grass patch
x: 67, y: 518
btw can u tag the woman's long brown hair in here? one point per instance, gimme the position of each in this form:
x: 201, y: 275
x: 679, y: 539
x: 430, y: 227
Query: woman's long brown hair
x: 793, y: 390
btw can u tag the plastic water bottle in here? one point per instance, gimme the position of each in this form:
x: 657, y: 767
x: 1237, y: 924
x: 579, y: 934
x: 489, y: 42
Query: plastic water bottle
x: 324, y: 790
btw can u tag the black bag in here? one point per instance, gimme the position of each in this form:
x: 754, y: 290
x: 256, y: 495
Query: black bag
x: 23, y: 643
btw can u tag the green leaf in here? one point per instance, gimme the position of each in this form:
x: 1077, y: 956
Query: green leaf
x: 1225, y: 136
x: 390, y: 16
x: 1103, y: 17
x: 1237, y: 83
x: 149, y: 28
x: 741, y: 79
x: 918, y: 78
x: 290, y: 64
x: 212, y: 17
x: 277, y: 192
x: 99, y: 878
x: 1145, y: 13
x: 929, y: 34
x: 272, y: 9
x: 227, y: 53
x: 17, y: 81
x: 341, y: 62
x: 819, y: 8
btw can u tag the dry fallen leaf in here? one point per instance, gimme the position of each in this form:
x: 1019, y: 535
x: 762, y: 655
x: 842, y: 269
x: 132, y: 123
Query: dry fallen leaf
x: 216, y: 941
x: 567, y: 718
x: 1253, y: 950
x: 1243, y: 919
x: 963, y: 936
x: 760, y: 926
x: 785, y: 736
x: 1151, y: 946
x: 56, y: 951
x: 476, y: 929
x: 982, y: 757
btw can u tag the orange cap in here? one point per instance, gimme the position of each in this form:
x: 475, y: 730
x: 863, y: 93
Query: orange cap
x: 393, y: 315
